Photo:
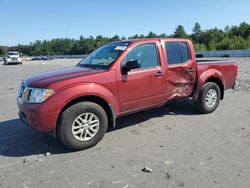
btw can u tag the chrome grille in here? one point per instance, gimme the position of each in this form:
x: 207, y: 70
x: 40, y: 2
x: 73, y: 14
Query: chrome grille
x: 21, y: 90
x: 24, y: 93
x: 14, y: 59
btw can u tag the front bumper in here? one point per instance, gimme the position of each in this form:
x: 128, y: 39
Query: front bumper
x: 13, y: 62
x: 32, y: 116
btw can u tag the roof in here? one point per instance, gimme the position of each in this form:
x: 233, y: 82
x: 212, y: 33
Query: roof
x: 152, y: 39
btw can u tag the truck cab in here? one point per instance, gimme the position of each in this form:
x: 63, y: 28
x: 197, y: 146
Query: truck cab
x: 168, y: 68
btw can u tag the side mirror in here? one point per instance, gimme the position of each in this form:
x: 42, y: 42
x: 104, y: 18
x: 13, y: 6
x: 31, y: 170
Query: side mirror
x: 134, y: 64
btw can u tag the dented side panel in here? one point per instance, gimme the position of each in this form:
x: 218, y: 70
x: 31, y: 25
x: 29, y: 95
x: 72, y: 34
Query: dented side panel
x: 181, y: 78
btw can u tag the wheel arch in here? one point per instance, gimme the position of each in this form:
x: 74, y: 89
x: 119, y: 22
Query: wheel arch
x: 84, y: 92
x: 219, y: 83
x: 210, y: 75
x: 108, y: 108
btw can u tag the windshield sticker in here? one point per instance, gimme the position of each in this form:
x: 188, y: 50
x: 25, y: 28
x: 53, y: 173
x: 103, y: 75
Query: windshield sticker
x: 122, y: 48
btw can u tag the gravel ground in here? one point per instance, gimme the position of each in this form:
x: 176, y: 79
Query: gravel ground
x: 243, y: 75
x: 171, y: 146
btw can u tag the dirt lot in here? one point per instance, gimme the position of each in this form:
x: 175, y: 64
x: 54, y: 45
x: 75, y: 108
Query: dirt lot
x: 184, y: 148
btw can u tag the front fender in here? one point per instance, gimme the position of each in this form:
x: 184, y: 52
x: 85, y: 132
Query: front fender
x: 58, y: 101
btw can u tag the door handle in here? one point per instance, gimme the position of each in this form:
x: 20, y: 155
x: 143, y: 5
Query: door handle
x: 159, y: 74
x: 190, y: 70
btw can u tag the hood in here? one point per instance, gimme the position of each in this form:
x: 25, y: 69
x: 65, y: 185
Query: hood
x: 43, y: 80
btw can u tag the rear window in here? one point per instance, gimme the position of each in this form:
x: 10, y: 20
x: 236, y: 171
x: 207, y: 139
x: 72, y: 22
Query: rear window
x: 177, y: 52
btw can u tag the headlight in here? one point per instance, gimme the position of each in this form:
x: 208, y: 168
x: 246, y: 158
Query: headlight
x: 8, y: 59
x: 19, y: 59
x: 40, y: 95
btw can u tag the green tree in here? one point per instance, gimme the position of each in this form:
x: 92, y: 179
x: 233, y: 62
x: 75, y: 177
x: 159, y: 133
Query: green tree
x: 200, y: 47
x: 151, y: 35
x: 196, y: 32
x: 234, y: 37
x: 163, y: 35
x: 3, y: 50
x: 237, y: 43
x: 244, y: 30
x: 224, y: 44
x: 227, y: 29
x: 248, y: 43
x: 197, y: 29
x: 115, y: 38
x: 180, y: 32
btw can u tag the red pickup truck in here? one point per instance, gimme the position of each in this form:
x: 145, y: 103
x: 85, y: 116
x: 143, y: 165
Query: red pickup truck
x: 79, y: 103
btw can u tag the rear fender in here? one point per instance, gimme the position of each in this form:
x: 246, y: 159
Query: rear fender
x: 202, y: 79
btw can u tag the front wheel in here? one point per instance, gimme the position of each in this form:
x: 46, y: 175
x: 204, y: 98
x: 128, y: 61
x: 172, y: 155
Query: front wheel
x: 82, y: 125
x: 209, y: 98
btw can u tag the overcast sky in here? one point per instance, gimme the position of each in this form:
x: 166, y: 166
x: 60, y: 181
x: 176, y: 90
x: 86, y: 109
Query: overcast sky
x: 24, y: 21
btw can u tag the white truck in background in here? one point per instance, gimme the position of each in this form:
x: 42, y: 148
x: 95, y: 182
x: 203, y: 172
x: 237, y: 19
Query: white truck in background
x: 13, y: 57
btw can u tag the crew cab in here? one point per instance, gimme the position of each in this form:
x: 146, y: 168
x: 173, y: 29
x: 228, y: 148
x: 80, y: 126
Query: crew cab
x: 77, y: 104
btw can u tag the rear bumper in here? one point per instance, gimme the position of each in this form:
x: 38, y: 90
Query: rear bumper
x: 31, y: 116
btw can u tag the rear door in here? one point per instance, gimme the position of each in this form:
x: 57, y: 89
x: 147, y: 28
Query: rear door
x: 181, y: 69
x: 143, y: 87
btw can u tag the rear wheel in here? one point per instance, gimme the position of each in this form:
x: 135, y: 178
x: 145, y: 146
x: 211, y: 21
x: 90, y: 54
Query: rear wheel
x: 209, y: 98
x: 82, y: 125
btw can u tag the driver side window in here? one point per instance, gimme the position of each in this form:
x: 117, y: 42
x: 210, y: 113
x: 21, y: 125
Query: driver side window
x: 145, y: 53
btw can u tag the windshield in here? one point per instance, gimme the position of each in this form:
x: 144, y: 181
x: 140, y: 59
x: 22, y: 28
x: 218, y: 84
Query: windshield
x: 13, y: 53
x: 104, y: 56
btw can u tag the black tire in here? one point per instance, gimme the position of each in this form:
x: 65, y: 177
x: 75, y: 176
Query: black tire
x: 201, y: 104
x: 66, y: 119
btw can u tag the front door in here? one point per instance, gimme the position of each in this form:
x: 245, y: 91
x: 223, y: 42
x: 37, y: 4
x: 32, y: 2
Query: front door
x: 143, y: 87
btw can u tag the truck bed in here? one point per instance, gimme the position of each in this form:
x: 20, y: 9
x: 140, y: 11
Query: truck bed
x: 226, y: 69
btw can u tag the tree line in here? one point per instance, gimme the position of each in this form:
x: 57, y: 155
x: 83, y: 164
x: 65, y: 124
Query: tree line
x: 229, y: 38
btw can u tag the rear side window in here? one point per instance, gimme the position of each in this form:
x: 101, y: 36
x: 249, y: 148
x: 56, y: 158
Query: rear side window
x: 177, y: 52
x: 185, y: 52
x: 146, y: 53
